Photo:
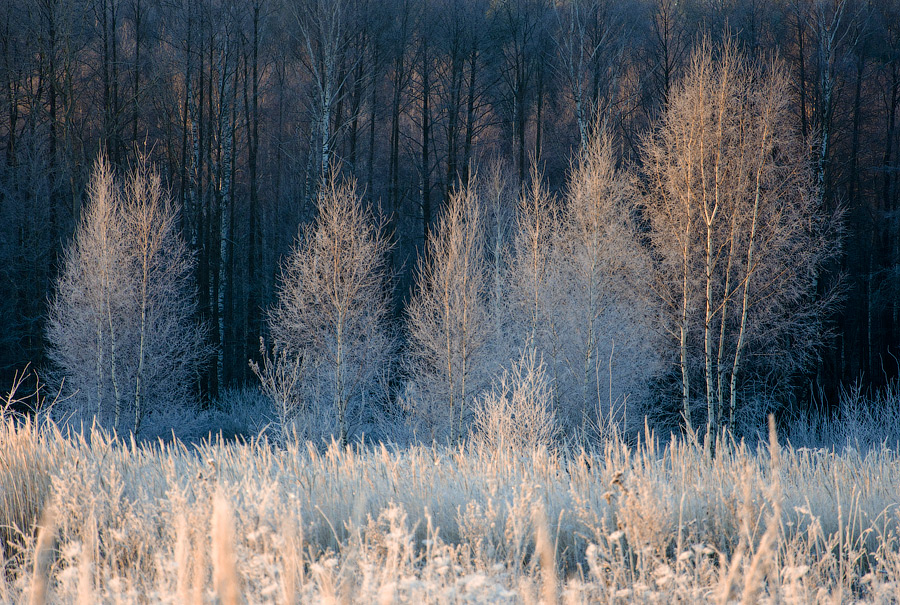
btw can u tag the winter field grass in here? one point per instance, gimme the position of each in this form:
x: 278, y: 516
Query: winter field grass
x: 91, y: 520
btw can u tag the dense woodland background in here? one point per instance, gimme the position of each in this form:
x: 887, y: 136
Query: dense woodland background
x: 241, y: 105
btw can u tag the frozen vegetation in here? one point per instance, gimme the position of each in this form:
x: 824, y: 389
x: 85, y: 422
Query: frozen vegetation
x: 92, y: 519
x: 556, y: 412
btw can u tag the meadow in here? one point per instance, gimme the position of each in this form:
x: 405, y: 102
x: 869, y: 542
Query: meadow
x: 87, y: 518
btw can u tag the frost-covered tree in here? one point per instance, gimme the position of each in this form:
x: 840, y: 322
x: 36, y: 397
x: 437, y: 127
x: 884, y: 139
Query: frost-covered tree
x: 577, y: 291
x: 738, y: 231
x: 603, y: 329
x: 120, y: 326
x: 333, y: 308
x: 449, y: 323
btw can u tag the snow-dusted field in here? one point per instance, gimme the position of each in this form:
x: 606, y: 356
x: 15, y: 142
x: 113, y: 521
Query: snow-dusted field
x: 250, y: 523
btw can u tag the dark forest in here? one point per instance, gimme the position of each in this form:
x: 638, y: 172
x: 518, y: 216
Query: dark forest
x: 242, y: 107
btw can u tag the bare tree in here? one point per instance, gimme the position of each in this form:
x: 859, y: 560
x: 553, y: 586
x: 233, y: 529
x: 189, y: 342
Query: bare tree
x: 576, y: 292
x: 333, y: 305
x: 536, y: 224
x: 604, y: 331
x: 668, y: 45
x: 120, y: 326
x: 162, y: 266
x: 322, y: 29
x: 281, y: 376
x: 590, y: 53
x: 521, y: 34
x: 738, y: 227
x: 448, y: 320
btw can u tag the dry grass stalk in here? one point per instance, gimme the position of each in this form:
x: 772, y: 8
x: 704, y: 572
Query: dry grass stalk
x: 291, y: 560
x: 183, y: 559
x: 4, y: 589
x: 546, y: 553
x: 225, y: 574
x: 198, y: 572
x: 43, y: 558
x: 86, y: 563
x: 769, y: 544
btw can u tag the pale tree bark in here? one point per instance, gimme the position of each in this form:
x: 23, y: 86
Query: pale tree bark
x: 829, y: 34
x: 712, y: 208
x: 322, y: 31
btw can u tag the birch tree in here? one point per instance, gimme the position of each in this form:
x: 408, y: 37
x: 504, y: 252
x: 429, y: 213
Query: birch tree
x: 603, y: 331
x: 93, y: 291
x: 121, y: 328
x: 739, y: 230
x: 333, y: 307
x: 590, y: 48
x: 448, y: 321
x: 575, y: 283
x: 322, y: 28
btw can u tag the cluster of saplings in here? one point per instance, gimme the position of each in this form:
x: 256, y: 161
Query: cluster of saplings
x: 689, y: 276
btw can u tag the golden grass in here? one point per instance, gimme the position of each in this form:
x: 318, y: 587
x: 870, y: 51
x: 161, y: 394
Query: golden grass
x: 233, y: 523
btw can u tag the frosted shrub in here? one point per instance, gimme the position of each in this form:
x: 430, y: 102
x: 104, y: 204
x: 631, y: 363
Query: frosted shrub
x: 517, y: 412
x: 280, y: 375
x: 863, y: 422
x: 243, y: 411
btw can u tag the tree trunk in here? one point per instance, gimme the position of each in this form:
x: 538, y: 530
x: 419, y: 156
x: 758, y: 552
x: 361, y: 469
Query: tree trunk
x: 224, y: 154
x: 394, y: 169
x: 521, y: 123
x: 12, y: 96
x: 137, y: 71
x: 373, y: 106
x: 801, y: 59
x: 745, y: 298
x: 426, y: 134
x: 539, y: 118
x: 456, y: 77
x: 470, y: 115
x: 683, y: 336
x: 355, y: 104
x: 254, y: 260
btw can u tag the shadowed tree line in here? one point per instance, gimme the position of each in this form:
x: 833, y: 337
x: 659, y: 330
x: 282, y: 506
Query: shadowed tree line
x: 244, y: 107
